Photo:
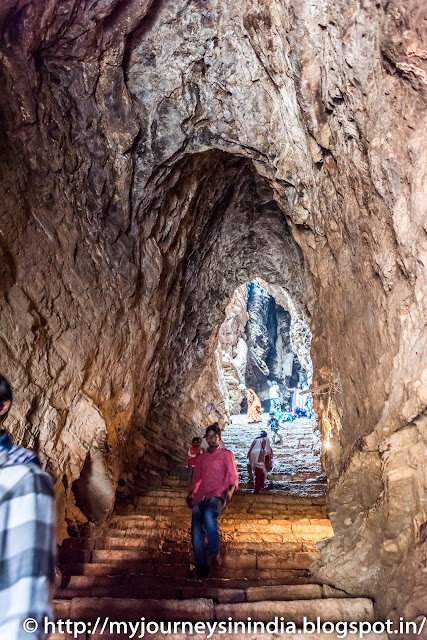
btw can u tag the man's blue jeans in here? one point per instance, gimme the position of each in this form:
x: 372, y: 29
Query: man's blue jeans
x: 205, y: 533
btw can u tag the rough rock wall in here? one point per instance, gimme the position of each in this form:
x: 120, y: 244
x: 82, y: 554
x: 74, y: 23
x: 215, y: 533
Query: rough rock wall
x: 269, y: 351
x: 215, y: 395
x: 261, y: 336
x: 232, y: 348
x: 299, y: 331
x: 154, y: 155
x: 253, y: 348
x: 286, y: 366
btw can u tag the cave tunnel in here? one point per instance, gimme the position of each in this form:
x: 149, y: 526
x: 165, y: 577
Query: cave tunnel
x: 155, y: 158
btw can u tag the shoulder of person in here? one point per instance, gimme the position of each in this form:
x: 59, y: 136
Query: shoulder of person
x: 27, y: 477
x: 228, y: 452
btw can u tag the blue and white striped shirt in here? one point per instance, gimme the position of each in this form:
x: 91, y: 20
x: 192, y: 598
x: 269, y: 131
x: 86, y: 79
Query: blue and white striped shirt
x: 27, y: 541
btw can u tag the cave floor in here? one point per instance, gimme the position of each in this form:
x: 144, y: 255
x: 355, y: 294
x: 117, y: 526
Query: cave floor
x: 297, y: 469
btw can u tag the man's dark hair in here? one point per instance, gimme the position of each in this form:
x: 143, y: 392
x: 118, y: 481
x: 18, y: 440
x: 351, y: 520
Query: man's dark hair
x: 5, y: 390
x: 5, y: 394
x: 196, y: 440
x: 214, y: 427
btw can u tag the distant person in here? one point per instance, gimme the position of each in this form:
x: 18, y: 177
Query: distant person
x: 254, y: 406
x: 274, y: 425
x: 27, y: 529
x: 259, y: 454
x: 193, y: 453
x: 214, y: 481
x: 298, y: 400
x: 275, y: 397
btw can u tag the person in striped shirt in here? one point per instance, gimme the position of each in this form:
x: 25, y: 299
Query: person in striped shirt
x: 27, y: 536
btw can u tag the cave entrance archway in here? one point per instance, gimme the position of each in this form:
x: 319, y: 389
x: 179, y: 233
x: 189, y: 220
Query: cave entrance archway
x: 219, y: 224
x: 262, y: 342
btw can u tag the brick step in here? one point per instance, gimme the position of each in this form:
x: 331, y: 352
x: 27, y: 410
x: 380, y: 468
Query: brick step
x: 218, y: 595
x: 247, y: 496
x: 257, y: 548
x: 149, y: 569
x: 240, y: 510
x: 281, y: 560
x: 160, y: 501
x: 184, y: 545
x: 140, y: 590
x: 278, y: 530
x: 285, y: 527
x: 178, y: 492
x: 204, y: 609
x: 290, y: 540
x: 134, y: 581
x: 175, y: 516
x: 327, y: 609
x: 132, y: 609
x: 238, y: 503
x: 161, y: 531
x: 310, y: 512
x: 169, y: 484
x: 286, y: 536
x: 244, y: 547
x: 152, y: 519
x: 172, y: 492
x: 151, y: 515
x: 140, y: 543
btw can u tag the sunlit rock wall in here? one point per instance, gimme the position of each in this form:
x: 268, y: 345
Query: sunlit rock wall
x: 269, y: 350
x: 154, y: 156
x: 232, y: 348
x: 261, y: 335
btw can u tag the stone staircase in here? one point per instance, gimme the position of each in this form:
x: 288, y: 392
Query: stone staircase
x: 139, y: 564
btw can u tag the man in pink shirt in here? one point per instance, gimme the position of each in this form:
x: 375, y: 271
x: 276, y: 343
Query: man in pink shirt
x: 214, y: 481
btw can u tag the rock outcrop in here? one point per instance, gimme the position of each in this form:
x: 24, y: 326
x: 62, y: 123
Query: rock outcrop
x: 261, y: 336
x: 269, y: 350
x: 156, y: 155
x: 232, y: 348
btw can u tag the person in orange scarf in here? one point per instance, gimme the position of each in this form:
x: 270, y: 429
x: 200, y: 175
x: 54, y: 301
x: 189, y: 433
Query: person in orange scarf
x: 254, y: 406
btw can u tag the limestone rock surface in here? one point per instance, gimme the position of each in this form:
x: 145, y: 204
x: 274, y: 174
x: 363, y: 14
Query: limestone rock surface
x: 156, y: 155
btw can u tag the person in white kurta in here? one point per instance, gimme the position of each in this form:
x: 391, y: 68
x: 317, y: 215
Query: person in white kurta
x: 260, y: 448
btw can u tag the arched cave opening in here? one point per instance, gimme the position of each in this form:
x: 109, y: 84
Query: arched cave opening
x: 262, y: 342
x: 233, y: 230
